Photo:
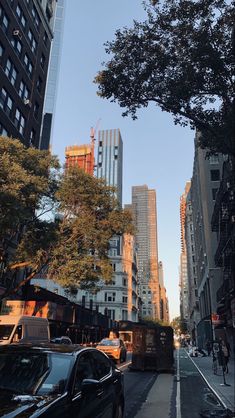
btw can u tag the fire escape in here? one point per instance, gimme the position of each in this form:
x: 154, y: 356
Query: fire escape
x: 223, y: 222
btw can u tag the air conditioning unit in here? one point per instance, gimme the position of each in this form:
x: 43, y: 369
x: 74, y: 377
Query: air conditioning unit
x: 17, y: 33
x: 27, y: 102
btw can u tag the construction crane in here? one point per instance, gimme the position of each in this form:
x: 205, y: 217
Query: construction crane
x: 93, y: 138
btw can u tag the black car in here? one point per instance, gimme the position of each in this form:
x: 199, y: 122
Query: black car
x: 66, y: 381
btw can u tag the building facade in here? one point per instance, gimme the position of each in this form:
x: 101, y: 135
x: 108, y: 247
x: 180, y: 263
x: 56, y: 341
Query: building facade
x: 164, y: 304
x: 53, y: 72
x: 193, y: 301
x: 205, y: 184
x: 110, y: 159
x: 26, y: 32
x: 145, y: 219
x: 117, y: 299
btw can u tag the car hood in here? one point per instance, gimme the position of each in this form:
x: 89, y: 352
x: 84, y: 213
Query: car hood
x: 14, y: 405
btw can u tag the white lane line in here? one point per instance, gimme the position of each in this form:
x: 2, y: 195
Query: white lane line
x: 124, y: 365
x: 178, y: 406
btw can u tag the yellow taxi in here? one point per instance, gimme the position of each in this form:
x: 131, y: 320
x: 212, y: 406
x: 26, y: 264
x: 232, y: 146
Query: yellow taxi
x: 114, y: 348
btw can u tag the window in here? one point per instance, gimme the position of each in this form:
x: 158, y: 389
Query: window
x: 39, y: 84
x: 84, y: 370
x: 214, y: 159
x: 45, y: 38
x: 124, y: 299
x: 36, y: 17
x: 42, y: 61
x: 19, y: 121
x: 109, y: 296
x: 4, y: 21
x: 36, y: 110
x: 32, y: 138
x: 6, y: 102
x: 11, y: 72
x: 111, y: 314
x: 32, y: 41
x: 215, y: 175
x: 28, y: 65
x: 17, y: 45
x: 124, y: 281
x: 23, y: 91
x: 214, y: 192
x: 21, y: 16
x: 101, y: 364
x: 1, y: 50
x: 3, y: 131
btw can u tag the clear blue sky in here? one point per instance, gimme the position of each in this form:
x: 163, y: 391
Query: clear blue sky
x: 156, y: 152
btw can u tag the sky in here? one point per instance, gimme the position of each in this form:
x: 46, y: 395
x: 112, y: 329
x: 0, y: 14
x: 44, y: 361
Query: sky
x: 156, y: 152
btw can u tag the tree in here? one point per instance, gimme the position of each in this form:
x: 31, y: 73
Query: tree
x: 182, y: 59
x: 28, y: 182
x: 91, y: 216
x: 74, y: 247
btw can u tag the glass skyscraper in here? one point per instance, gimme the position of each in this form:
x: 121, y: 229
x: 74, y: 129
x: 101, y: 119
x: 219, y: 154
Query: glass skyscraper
x: 109, y: 159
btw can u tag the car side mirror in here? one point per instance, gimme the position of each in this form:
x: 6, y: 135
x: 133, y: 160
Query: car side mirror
x: 89, y: 385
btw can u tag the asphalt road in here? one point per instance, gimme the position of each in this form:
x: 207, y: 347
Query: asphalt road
x: 189, y: 394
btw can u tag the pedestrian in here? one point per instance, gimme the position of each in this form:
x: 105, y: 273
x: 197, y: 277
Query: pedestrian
x: 225, y: 348
x: 208, y: 347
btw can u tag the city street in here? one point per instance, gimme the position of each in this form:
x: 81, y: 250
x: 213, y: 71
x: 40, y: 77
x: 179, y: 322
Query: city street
x: 182, y: 395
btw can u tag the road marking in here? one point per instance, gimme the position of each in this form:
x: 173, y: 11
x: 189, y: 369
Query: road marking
x: 124, y: 365
x: 178, y: 406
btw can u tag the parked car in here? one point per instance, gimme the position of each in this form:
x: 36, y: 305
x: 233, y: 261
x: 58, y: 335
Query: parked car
x: 61, y: 340
x: 114, y: 348
x: 58, y: 380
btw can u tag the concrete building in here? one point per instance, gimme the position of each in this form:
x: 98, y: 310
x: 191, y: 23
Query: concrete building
x: 164, y: 304
x: 193, y: 301
x: 117, y: 299
x: 183, y: 282
x: 145, y: 219
x: 205, y: 183
x: 26, y: 32
x: 110, y: 159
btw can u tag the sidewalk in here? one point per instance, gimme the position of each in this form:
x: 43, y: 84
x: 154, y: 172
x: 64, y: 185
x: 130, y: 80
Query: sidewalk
x: 224, y: 393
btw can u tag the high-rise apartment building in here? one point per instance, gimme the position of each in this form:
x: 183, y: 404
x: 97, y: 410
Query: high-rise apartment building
x: 26, y: 32
x: 207, y: 173
x: 52, y: 79
x: 184, y: 303
x: 145, y: 219
x: 110, y: 159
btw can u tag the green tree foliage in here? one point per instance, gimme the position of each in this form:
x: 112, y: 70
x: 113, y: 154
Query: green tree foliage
x: 28, y: 182
x: 182, y: 59
x: 91, y: 216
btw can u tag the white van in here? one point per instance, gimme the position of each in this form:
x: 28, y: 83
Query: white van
x: 20, y: 329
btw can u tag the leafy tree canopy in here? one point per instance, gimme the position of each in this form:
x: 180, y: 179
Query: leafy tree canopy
x: 182, y: 59
x: 28, y: 182
x: 91, y: 216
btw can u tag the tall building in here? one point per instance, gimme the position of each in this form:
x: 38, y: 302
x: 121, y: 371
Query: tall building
x: 207, y: 173
x: 193, y: 301
x: 110, y: 160
x: 26, y: 32
x: 145, y: 219
x: 164, y: 305
x: 81, y: 156
x: 52, y: 79
x: 184, y: 303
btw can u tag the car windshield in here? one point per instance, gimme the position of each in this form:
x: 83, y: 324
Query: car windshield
x: 5, y: 331
x: 113, y: 342
x: 34, y: 373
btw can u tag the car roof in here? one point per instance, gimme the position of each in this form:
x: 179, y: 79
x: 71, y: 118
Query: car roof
x: 71, y: 349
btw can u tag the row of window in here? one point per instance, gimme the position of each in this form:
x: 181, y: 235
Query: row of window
x: 111, y: 297
x: 6, y: 103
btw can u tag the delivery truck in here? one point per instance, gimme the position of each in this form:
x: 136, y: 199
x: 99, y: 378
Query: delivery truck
x: 22, y: 328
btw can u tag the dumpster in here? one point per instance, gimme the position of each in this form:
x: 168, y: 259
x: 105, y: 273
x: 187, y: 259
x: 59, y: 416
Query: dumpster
x: 152, y: 348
